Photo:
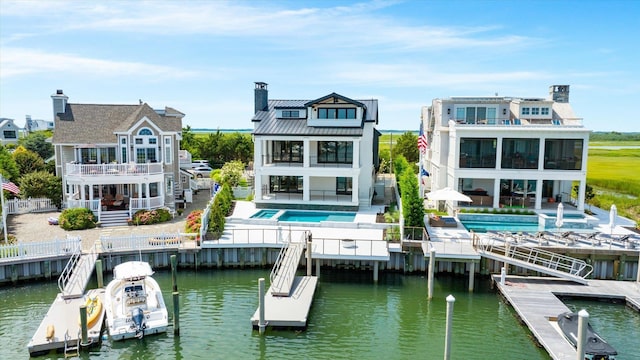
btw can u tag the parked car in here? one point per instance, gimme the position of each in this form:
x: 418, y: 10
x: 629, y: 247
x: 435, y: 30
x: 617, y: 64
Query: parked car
x: 197, y: 163
x: 202, y: 171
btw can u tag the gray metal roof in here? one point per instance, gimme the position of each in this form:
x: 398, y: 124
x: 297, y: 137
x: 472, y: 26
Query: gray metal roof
x: 268, y: 124
x: 97, y: 124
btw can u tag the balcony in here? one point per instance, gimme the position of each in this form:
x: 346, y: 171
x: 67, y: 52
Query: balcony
x: 89, y: 170
x: 269, y: 160
x: 517, y: 122
x: 316, y: 196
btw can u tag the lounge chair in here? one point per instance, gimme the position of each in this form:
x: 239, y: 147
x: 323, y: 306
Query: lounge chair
x: 119, y: 200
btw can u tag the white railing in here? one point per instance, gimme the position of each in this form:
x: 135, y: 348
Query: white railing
x: 42, y: 249
x: 349, y: 247
x: 537, y: 256
x: 144, y: 242
x: 146, y: 203
x: 113, y: 169
x: 19, y: 206
x: 93, y: 205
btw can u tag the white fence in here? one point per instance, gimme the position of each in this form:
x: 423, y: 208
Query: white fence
x: 42, y: 249
x: 19, y: 206
x: 144, y: 242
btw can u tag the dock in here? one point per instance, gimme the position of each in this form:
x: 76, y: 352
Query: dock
x: 289, y: 311
x: 64, y: 315
x: 535, y: 300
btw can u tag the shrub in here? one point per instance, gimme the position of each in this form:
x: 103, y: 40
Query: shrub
x: 77, y: 219
x: 148, y: 217
x: 194, y: 221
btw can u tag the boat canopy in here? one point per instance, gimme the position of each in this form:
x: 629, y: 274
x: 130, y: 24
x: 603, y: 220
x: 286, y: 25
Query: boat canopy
x: 132, y: 270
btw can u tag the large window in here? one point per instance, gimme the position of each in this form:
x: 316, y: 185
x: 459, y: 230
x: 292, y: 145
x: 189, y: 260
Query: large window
x: 107, y: 155
x: 563, y: 154
x: 288, y: 151
x: 344, y: 185
x: 146, y: 146
x: 476, y: 115
x: 478, y: 153
x: 520, y: 153
x: 290, y: 113
x: 336, y: 113
x: 335, y: 152
x: 286, y: 184
x: 10, y: 134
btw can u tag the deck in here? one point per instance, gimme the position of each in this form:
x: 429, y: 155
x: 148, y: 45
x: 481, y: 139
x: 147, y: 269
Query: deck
x: 291, y: 311
x: 536, y: 302
x: 63, y: 315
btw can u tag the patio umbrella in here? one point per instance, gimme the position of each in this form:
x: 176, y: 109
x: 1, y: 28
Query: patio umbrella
x: 448, y: 194
x: 559, y: 216
x: 613, y: 214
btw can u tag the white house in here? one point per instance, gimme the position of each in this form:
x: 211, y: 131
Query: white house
x: 37, y: 124
x: 314, y: 154
x: 507, y: 151
x: 116, y: 159
x: 9, y: 131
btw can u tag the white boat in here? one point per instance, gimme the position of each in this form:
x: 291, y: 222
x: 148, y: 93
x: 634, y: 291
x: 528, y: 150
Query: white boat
x: 133, y: 302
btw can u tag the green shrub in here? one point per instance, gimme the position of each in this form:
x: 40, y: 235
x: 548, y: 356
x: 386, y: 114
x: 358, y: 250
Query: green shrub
x: 148, y: 217
x: 77, y: 219
x: 194, y: 221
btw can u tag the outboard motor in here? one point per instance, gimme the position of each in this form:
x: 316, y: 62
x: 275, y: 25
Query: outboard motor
x: 137, y: 315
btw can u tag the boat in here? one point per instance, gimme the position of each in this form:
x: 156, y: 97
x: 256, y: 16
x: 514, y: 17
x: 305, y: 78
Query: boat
x: 133, y: 302
x: 595, y: 348
x: 94, y: 310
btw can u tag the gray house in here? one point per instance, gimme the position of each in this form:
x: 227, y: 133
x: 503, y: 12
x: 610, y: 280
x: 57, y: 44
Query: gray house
x: 9, y: 131
x: 116, y: 159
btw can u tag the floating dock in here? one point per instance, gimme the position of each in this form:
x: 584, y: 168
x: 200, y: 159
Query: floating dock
x: 64, y: 315
x: 536, y: 301
x: 289, y: 311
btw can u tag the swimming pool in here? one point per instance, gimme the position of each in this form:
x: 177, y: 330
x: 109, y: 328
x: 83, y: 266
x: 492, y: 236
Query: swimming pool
x: 484, y: 226
x: 316, y: 216
x: 264, y: 214
x: 566, y: 215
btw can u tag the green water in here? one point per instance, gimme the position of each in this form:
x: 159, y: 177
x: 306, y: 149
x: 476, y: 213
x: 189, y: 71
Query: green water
x: 351, y: 318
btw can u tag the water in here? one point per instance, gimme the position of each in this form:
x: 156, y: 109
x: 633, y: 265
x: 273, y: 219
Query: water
x: 264, y: 214
x: 316, y: 216
x: 350, y: 318
x: 484, y: 226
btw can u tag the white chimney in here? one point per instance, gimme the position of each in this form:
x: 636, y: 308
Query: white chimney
x: 59, y: 103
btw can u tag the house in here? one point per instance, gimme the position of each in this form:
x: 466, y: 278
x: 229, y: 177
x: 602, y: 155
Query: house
x: 507, y: 151
x: 314, y: 154
x: 116, y: 159
x: 37, y: 125
x: 9, y: 131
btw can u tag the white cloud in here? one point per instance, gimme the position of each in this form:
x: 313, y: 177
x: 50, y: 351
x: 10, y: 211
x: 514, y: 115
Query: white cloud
x: 17, y: 61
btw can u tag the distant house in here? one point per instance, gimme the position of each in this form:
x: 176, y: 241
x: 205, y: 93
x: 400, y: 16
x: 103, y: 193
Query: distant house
x: 9, y: 131
x: 314, y: 154
x: 507, y: 151
x: 117, y: 159
x: 37, y: 125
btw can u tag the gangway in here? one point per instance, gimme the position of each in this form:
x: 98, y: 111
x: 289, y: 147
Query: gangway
x: 284, y: 270
x: 536, y: 259
x: 74, y: 278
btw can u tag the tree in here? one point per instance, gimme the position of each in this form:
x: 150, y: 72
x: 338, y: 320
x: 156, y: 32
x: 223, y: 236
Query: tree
x: 37, y: 142
x: 27, y: 160
x: 407, y: 146
x: 8, y: 167
x: 190, y: 143
x: 412, y: 205
x: 588, y: 193
x: 42, y: 184
x: 232, y: 172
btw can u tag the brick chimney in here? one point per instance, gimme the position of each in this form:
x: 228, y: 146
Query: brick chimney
x: 59, y: 103
x: 261, y: 97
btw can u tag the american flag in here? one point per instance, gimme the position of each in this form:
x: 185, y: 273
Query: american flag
x: 11, y: 187
x: 422, y: 141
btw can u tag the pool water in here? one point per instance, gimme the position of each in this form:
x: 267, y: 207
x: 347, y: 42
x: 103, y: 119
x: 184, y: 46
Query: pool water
x: 316, y: 216
x: 566, y: 215
x: 264, y: 214
x: 484, y: 226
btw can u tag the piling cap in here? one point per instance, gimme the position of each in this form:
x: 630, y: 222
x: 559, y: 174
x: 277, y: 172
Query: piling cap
x: 451, y: 299
x: 583, y: 313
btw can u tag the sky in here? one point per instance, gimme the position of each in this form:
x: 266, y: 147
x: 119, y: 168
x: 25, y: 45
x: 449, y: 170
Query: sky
x: 203, y: 57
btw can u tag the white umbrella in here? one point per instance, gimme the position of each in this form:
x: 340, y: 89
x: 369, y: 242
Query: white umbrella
x: 448, y: 194
x: 559, y: 216
x: 613, y: 214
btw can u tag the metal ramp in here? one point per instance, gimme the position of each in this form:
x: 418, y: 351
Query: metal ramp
x: 74, y: 278
x: 284, y: 270
x: 536, y: 259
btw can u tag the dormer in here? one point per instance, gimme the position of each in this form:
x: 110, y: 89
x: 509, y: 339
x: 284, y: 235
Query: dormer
x: 335, y: 110
x: 533, y: 109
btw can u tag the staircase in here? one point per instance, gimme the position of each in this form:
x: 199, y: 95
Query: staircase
x: 74, y: 278
x: 536, y: 259
x: 114, y: 218
x: 284, y: 270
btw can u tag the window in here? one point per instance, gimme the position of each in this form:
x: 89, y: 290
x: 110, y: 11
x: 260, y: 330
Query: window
x: 563, y: 154
x: 286, y: 184
x: 167, y: 150
x: 535, y: 111
x: 290, y: 113
x: 477, y: 153
x: 520, y: 153
x: 145, y: 132
x: 336, y: 113
x: 335, y: 152
x: 544, y: 111
x: 476, y: 114
x: 460, y: 114
x: 146, y: 146
x: 288, y: 151
x: 525, y: 111
x: 344, y: 185
x: 107, y: 155
x: 10, y: 134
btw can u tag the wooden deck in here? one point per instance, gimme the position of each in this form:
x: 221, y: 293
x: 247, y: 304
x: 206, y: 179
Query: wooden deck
x: 291, y: 311
x: 64, y: 316
x: 536, y: 302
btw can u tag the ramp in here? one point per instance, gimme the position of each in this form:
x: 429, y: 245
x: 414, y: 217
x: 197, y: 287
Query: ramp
x: 284, y: 270
x: 74, y: 278
x: 540, y: 260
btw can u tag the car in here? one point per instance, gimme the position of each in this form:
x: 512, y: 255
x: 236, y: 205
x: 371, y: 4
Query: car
x: 202, y: 171
x: 197, y: 163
